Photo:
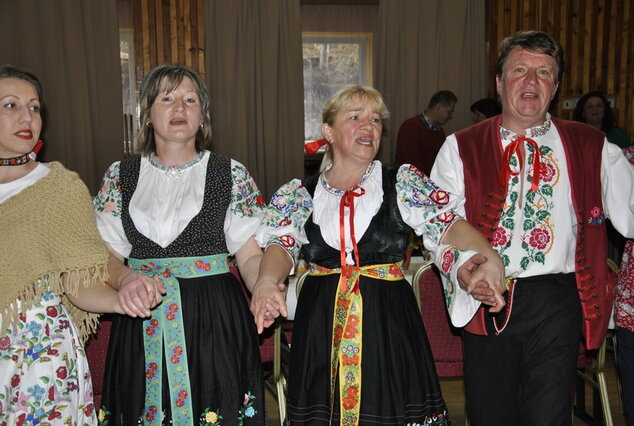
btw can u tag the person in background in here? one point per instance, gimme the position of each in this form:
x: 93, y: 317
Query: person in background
x: 420, y: 137
x: 484, y: 108
x: 52, y: 258
x: 178, y: 211
x: 360, y: 354
x: 540, y: 190
x: 624, y: 320
x: 594, y: 109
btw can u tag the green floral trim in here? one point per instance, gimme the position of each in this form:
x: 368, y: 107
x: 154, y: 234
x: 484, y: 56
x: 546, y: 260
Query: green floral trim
x: 108, y: 199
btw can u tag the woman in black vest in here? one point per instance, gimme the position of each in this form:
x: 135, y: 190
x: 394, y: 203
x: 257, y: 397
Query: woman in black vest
x: 360, y: 354
x: 177, y: 211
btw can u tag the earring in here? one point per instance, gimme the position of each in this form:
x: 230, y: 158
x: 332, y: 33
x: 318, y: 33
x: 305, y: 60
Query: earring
x: 148, y: 124
x: 202, y: 126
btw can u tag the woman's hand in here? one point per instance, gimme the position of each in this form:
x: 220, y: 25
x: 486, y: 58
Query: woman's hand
x: 268, y: 301
x: 139, y: 293
x: 484, y: 280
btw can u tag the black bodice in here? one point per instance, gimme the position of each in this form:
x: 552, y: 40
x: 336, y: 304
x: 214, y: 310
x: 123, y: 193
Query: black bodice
x: 385, y: 240
x: 204, y: 234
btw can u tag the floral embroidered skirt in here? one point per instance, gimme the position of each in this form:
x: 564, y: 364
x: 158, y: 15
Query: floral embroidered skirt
x: 225, y: 371
x: 44, y: 376
x: 399, y: 381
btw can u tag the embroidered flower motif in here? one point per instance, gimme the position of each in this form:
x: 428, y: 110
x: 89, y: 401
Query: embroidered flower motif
x: 547, y: 172
x: 61, y: 372
x: 448, y: 259
x: 539, y: 238
x: 51, y: 311
x: 439, y: 197
x: 446, y: 217
x: 102, y: 415
x: 211, y: 417
x: 597, y: 217
x: 499, y: 237
x: 5, y: 343
x: 287, y: 241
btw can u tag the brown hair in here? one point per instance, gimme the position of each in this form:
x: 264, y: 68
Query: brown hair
x: 151, y: 87
x: 535, y: 41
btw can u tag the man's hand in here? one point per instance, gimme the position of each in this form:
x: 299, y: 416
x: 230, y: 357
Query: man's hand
x: 484, y: 281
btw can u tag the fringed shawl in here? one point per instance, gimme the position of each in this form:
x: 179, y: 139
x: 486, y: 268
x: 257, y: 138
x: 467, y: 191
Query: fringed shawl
x: 47, y: 230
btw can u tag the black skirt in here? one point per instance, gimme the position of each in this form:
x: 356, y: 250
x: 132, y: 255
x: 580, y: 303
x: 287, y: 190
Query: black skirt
x: 222, y: 354
x: 399, y: 380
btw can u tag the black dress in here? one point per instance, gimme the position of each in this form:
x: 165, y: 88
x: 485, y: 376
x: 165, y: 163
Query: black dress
x: 220, y: 335
x: 400, y: 384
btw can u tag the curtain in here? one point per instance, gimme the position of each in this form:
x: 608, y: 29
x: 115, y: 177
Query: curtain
x: 426, y: 46
x: 72, y: 46
x: 253, y: 62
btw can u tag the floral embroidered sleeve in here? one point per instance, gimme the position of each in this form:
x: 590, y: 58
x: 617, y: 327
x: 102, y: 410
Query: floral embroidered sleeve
x: 246, y: 209
x: 107, y: 205
x: 285, y: 217
x: 430, y: 211
x: 424, y: 206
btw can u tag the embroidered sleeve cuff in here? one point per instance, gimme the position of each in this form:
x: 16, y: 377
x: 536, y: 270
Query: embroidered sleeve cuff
x: 461, y: 306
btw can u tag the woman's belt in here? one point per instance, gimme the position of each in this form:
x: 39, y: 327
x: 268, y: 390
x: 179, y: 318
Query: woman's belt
x: 164, y: 331
x: 347, y: 332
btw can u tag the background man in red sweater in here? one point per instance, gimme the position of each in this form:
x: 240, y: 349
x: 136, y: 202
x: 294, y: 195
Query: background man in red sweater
x: 420, y: 137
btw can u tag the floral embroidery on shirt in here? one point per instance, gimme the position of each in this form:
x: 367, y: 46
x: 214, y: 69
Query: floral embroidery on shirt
x: 108, y: 200
x: 537, y: 231
x: 245, y: 195
x: 289, y: 208
x: 419, y: 193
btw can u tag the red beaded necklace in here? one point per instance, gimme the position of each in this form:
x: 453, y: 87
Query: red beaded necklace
x: 22, y: 159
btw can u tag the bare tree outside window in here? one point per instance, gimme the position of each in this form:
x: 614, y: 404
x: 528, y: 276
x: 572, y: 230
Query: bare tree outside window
x: 331, y: 62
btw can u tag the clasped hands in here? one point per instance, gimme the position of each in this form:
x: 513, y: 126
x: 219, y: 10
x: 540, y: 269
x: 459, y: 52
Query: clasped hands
x: 139, y: 293
x: 268, y: 301
x: 484, y: 280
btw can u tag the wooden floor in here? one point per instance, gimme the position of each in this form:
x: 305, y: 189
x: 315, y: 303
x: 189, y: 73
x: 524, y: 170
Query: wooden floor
x: 453, y: 393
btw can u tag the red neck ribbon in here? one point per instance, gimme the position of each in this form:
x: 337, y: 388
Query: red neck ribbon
x: 347, y: 200
x: 515, y: 148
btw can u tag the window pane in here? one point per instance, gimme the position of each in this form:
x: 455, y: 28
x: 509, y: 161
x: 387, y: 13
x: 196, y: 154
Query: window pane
x: 331, y: 62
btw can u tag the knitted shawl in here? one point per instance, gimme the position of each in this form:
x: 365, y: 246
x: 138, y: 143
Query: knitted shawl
x: 48, y: 229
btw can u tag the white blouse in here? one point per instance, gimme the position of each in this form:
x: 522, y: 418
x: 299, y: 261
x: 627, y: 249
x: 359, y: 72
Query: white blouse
x: 162, y: 204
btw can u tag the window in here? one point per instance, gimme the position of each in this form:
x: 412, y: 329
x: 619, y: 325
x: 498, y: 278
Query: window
x: 128, y: 81
x: 331, y: 62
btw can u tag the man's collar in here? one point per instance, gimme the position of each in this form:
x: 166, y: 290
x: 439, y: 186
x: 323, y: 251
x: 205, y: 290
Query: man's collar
x: 531, y: 132
x: 433, y: 125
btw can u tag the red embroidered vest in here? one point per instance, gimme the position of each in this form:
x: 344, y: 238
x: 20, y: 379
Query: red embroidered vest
x: 480, y: 149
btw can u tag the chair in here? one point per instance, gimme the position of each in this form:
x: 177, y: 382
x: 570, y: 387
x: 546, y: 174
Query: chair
x: 283, y: 340
x: 271, y: 348
x: 444, y: 339
x: 591, y: 371
x: 96, y: 352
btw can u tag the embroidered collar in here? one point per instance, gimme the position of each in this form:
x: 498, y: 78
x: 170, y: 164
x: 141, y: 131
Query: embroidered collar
x: 175, y: 171
x: 324, y: 182
x: 532, y: 132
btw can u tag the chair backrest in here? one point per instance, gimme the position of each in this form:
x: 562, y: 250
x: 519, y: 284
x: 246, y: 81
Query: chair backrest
x: 444, y: 339
x: 96, y: 352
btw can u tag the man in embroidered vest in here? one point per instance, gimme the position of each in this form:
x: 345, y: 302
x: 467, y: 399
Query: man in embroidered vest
x: 420, y: 137
x: 539, y: 188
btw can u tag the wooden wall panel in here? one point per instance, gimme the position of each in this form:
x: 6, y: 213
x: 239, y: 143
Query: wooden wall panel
x: 168, y: 31
x: 598, y: 41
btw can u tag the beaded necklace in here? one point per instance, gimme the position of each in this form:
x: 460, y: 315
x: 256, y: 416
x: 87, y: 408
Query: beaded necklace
x: 22, y: 159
